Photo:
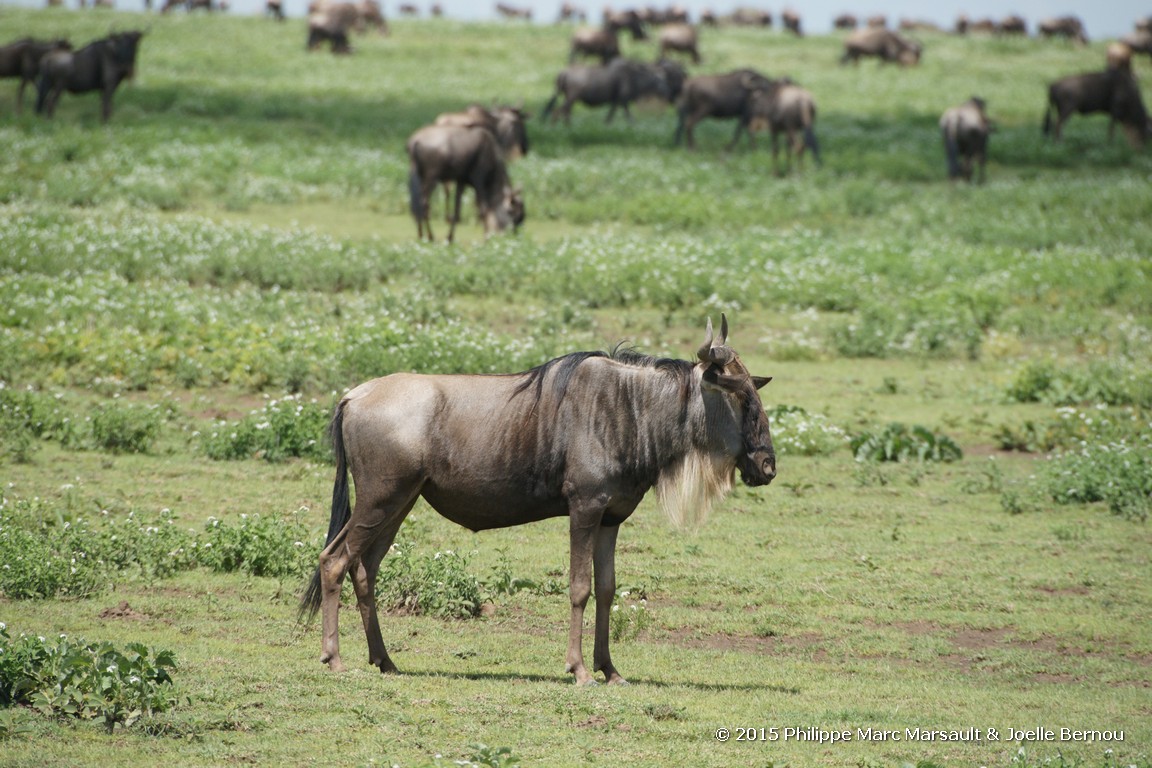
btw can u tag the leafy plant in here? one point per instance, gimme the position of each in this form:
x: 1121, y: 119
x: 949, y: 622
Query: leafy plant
x: 898, y: 442
x: 432, y: 585
x: 284, y: 428
x: 259, y: 545
x: 125, y: 428
x: 1117, y: 473
x: 75, y: 678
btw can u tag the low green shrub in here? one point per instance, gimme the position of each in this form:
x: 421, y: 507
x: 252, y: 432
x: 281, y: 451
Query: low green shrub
x: 290, y: 427
x: 432, y: 585
x: 898, y: 442
x: 120, y: 427
x: 797, y: 432
x: 1116, y: 473
x: 259, y: 545
x: 63, y: 677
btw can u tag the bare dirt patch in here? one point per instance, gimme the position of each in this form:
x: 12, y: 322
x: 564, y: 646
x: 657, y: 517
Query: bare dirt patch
x: 123, y: 611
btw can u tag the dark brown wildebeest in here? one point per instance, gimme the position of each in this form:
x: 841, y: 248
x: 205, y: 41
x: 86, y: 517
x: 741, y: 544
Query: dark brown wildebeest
x: 603, y: 41
x: 845, y: 21
x: 708, y: 18
x: 513, y: 12
x: 584, y: 436
x: 21, y: 58
x: 965, y: 130
x: 681, y: 38
x: 344, y: 17
x: 507, y: 124
x: 570, y: 12
x: 721, y: 96
x: 1113, y: 91
x: 275, y: 9
x: 1063, y: 26
x: 325, y: 28
x: 1012, y: 25
x: 99, y: 66
x: 618, y: 84
x: 1139, y: 42
x: 468, y: 157
x: 886, y: 45
x: 791, y: 21
x: 788, y: 108
x: 408, y: 10
x: 749, y: 17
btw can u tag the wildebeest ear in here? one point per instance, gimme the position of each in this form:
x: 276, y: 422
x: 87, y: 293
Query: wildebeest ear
x: 760, y: 381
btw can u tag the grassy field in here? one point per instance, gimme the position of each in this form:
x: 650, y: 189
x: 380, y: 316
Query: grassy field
x: 187, y: 290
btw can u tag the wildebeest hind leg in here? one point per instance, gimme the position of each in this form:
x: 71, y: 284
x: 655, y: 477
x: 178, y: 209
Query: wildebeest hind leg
x: 364, y: 584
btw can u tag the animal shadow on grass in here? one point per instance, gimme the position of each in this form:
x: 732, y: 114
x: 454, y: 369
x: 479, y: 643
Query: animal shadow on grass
x: 566, y: 679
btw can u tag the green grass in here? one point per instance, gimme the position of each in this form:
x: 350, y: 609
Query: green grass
x: 239, y: 232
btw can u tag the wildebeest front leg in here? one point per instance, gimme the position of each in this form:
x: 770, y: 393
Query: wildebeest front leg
x: 582, y: 543
x: 604, y: 563
x: 455, y: 211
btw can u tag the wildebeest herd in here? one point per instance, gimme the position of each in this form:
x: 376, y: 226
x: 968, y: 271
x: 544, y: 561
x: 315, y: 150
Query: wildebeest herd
x: 473, y: 148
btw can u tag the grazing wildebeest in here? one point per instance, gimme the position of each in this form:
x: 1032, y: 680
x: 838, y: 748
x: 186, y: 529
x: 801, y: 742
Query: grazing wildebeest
x: 681, y: 38
x: 584, y: 436
x: 1012, y: 25
x: 324, y: 28
x: 1139, y: 42
x: 785, y: 107
x: 1063, y: 26
x: 340, y: 18
x: 507, y: 124
x: 845, y: 21
x: 468, y: 157
x: 791, y: 21
x: 98, y: 66
x: 749, y: 17
x: 21, y: 58
x: 513, y: 12
x: 722, y: 96
x: 603, y: 41
x: 618, y: 84
x: 1113, y: 91
x: 965, y: 129
x: 882, y: 43
x: 275, y: 9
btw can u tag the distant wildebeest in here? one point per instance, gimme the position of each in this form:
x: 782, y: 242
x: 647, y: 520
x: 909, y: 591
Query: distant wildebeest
x: 965, y: 130
x: 345, y: 17
x: 191, y: 5
x: 845, y: 21
x: 467, y: 157
x: 603, y: 41
x: 275, y: 9
x: 884, y: 44
x: 323, y: 28
x: 617, y: 84
x: 1012, y: 25
x: 513, y: 12
x: 749, y: 17
x: 788, y: 108
x: 584, y: 436
x: 876, y: 21
x: 21, y: 58
x: 510, y: 127
x: 1063, y: 26
x: 678, y: 37
x: 708, y: 18
x: 1113, y: 91
x: 408, y: 10
x: 720, y: 96
x: 570, y: 12
x: 99, y: 66
x: 437, y: 11
x: 791, y: 21
x: 1139, y: 42
x: 917, y: 25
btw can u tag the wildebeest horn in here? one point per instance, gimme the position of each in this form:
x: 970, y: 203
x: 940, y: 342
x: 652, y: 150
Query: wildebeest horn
x: 716, y: 350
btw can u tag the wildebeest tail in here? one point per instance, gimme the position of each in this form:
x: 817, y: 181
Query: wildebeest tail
x: 810, y: 133
x: 549, y: 106
x: 952, y: 151
x: 341, y: 512
x: 1047, y: 126
x: 41, y: 93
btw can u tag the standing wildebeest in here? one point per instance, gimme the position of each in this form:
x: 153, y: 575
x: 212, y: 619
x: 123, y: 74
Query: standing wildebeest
x: 1139, y: 42
x: 1012, y: 25
x: 508, y: 125
x: 678, y: 37
x: 98, y: 66
x: 1063, y: 26
x: 965, y: 130
x: 513, y: 12
x: 749, y: 17
x: 786, y: 107
x: 791, y: 21
x: 21, y: 58
x: 845, y: 21
x: 882, y: 43
x: 603, y: 41
x: 721, y: 96
x: 584, y: 436
x: 1114, y: 91
x: 468, y: 157
x: 617, y: 84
